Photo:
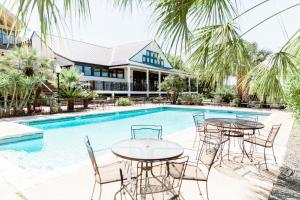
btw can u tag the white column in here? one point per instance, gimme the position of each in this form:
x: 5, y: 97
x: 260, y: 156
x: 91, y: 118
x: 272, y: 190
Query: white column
x: 128, y: 81
x: 189, y: 85
x: 159, y: 80
x: 147, y: 80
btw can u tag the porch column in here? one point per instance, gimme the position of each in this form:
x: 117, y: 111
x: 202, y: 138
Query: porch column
x: 128, y: 81
x: 159, y: 80
x: 189, y: 85
x: 147, y: 82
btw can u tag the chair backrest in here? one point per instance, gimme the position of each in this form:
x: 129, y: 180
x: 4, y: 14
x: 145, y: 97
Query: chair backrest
x: 176, y: 168
x: 146, y: 132
x: 273, y: 133
x: 199, y: 118
x: 208, y: 154
x: 92, y: 156
x: 253, y: 118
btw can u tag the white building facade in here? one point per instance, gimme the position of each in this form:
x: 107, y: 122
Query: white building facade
x: 134, y: 69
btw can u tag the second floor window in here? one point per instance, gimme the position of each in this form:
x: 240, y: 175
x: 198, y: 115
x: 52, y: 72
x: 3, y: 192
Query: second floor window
x: 87, y: 71
x: 152, y: 59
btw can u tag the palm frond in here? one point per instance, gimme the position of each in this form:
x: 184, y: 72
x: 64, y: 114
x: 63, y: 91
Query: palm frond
x: 219, y: 51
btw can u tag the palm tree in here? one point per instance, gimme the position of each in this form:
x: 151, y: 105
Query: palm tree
x: 207, y: 31
x: 31, y: 64
x: 70, y: 86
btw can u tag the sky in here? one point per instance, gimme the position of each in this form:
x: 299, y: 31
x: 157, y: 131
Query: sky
x: 110, y: 26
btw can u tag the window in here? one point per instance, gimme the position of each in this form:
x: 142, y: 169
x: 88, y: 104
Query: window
x: 113, y: 73
x: 79, y: 68
x: 4, y: 37
x: 104, y: 72
x: 152, y: 58
x: 87, y: 71
x: 12, y: 38
x: 97, y: 71
x: 120, y: 73
x: 161, y: 62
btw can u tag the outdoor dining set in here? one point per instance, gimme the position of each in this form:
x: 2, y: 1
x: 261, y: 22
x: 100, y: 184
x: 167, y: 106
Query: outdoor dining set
x: 150, y: 167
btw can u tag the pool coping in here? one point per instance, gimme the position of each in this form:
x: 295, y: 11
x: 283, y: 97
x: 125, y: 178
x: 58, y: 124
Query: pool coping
x: 25, y: 135
x: 14, y: 132
x: 25, y: 119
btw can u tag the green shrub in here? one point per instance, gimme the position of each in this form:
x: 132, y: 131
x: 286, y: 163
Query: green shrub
x: 198, y: 99
x: 187, y: 99
x: 226, y: 93
x: 292, y: 93
x: 124, y: 102
x: 235, y: 102
x: 43, y: 100
x: 192, y: 99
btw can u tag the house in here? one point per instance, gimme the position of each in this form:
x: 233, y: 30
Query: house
x: 131, y: 69
x: 10, y: 28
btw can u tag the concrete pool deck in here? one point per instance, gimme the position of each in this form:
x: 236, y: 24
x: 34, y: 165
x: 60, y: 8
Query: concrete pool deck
x: 12, y: 129
x: 234, y: 180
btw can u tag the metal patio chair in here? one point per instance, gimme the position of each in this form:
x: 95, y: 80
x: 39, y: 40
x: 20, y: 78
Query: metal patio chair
x: 199, y: 171
x: 203, y: 131
x: 266, y: 142
x: 146, y: 132
x: 199, y: 125
x: 103, y: 174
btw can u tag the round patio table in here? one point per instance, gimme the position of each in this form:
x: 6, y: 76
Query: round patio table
x: 233, y: 123
x: 236, y: 126
x: 147, y: 150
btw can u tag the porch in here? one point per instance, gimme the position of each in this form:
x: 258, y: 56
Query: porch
x: 139, y: 81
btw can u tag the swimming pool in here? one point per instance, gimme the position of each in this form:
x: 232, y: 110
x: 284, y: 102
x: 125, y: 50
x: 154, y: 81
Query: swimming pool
x: 62, y: 144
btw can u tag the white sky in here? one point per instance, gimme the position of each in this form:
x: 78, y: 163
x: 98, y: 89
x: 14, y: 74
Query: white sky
x: 110, y: 26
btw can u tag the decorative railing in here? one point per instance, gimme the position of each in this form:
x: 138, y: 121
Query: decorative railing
x: 110, y: 86
x: 137, y: 87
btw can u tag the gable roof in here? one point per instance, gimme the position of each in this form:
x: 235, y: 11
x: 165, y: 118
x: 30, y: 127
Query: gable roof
x: 77, y: 51
x: 122, y: 53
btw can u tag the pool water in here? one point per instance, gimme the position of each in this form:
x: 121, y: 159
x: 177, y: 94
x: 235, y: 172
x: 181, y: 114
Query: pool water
x: 62, y: 144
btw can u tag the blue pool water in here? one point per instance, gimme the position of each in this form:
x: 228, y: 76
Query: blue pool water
x: 62, y: 144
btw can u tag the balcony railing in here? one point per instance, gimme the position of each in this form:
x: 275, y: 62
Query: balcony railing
x: 122, y: 86
x: 110, y: 86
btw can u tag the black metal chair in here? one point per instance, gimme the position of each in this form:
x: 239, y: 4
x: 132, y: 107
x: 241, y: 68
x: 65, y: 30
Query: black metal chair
x: 146, y: 132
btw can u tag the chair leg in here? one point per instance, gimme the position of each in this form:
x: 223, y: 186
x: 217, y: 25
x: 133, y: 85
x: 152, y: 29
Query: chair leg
x: 274, y: 155
x: 100, y: 192
x: 198, y: 184
x: 195, y: 139
x: 265, y: 159
x: 93, y: 190
x: 207, y: 196
x: 228, y: 147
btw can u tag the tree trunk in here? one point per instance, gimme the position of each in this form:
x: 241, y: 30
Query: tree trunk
x: 239, y: 87
x: 38, y: 92
x: 86, y: 103
x: 71, y: 103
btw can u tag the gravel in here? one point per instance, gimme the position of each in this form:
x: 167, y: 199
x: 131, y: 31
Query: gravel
x: 287, y: 186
